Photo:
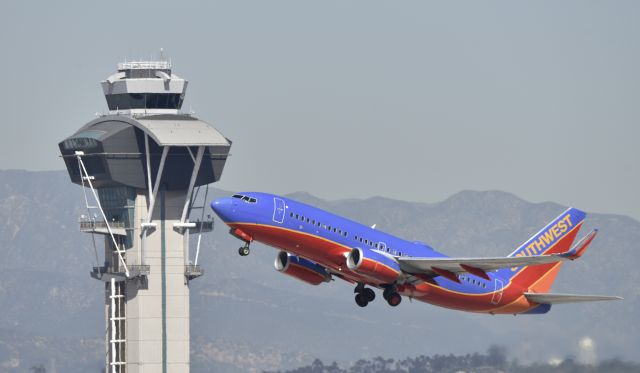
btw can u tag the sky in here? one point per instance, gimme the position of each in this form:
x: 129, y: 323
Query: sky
x: 413, y: 100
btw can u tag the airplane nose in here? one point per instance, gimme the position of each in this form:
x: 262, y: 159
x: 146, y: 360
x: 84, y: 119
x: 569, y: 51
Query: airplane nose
x: 223, y: 207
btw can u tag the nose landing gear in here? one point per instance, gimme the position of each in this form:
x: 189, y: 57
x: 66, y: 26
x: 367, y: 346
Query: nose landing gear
x: 240, y: 234
x: 244, y: 250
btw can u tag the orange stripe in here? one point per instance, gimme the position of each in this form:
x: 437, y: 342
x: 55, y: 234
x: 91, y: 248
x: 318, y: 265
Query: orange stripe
x: 517, y: 300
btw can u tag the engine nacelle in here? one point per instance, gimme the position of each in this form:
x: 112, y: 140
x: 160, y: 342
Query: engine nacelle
x: 374, y: 265
x: 302, y: 269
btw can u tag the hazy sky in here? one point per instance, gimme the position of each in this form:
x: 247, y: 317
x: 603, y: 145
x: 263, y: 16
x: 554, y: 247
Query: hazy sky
x: 406, y: 99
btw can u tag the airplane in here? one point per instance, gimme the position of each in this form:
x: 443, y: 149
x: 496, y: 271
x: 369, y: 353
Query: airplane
x: 316, y: 246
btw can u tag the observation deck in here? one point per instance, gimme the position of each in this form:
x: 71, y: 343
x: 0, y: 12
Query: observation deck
x: 88, y: 225
x: 106, y: 273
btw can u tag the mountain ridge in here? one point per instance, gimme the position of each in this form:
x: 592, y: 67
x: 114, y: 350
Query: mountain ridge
x: 46, y: 294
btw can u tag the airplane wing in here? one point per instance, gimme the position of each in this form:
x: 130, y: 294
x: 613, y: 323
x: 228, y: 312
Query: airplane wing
x: 450, y: 267
x: 430, y: 266
x: 549, y: 298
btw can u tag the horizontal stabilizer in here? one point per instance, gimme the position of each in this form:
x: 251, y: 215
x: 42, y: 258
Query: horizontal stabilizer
x: 566, y: 298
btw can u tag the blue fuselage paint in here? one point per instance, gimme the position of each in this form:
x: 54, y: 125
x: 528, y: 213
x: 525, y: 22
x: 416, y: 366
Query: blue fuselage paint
x: 264, y: 212
x: 327, y: 239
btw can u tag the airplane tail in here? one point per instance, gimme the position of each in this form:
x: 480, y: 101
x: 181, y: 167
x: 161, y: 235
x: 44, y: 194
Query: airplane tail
x: 555, y: 238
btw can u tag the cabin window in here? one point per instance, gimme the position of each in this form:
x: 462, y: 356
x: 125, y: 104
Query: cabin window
x: 297, y: 216
x: 400, y: 253
x: 291, y: 214
x: 334, y: 230
x: 307, y: 220
x: 318, y: 224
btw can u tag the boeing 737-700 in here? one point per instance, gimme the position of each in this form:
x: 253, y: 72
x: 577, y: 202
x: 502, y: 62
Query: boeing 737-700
x: 317, y: 246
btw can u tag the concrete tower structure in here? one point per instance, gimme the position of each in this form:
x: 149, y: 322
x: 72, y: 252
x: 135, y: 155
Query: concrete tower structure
x: 143, y: 166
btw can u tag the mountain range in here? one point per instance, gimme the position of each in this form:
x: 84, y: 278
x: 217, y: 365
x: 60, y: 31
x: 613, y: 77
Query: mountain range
x: 248, y: 317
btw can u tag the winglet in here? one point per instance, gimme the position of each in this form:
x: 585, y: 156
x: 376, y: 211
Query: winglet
x: 579, y: 248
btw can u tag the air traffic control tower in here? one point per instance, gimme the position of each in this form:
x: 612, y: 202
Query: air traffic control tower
x: 142, y: 167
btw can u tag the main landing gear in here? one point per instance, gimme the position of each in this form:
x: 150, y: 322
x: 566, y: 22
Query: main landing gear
x: 391, y: 296
x: 364, y: 295
x: 244, y: 250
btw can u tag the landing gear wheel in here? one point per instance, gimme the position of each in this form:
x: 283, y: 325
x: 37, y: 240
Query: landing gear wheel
x: 387, y: 293
x: 394, y: 299
x: 244, y: 251
x: 361, y: 300
x: 369, y: 294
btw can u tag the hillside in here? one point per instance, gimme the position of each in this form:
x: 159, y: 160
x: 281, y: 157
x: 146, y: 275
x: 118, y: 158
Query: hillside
x: 248, y: 317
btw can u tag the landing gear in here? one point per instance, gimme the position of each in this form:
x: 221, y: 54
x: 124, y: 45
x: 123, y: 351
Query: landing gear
x: 394, y: 299
x: 244, y: 250
x: 391, y: 296
x: 369, y: 295
x: 364, y: 295
x: 361, y: 300
x: 241, y: 235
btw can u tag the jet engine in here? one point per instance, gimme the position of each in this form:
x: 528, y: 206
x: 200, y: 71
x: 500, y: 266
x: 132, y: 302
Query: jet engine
x: 374, y: 265
x: 302, y: 269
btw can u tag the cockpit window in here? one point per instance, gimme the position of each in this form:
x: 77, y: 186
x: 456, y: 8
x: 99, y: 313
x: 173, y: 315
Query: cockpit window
x: 247, y: 199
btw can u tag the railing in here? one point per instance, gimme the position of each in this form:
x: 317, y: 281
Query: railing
x: 134, y: 271
x: 202, y: 226
x: 133, y: 65
x: 91, y: 224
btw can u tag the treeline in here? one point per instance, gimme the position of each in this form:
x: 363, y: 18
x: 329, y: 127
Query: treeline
x: 494, y: 361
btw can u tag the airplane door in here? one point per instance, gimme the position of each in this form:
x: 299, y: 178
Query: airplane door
x: 498, y: 292
x: 278, y: 210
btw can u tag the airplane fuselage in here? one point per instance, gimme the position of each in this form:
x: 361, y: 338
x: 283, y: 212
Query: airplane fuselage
x: 327, y: 239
